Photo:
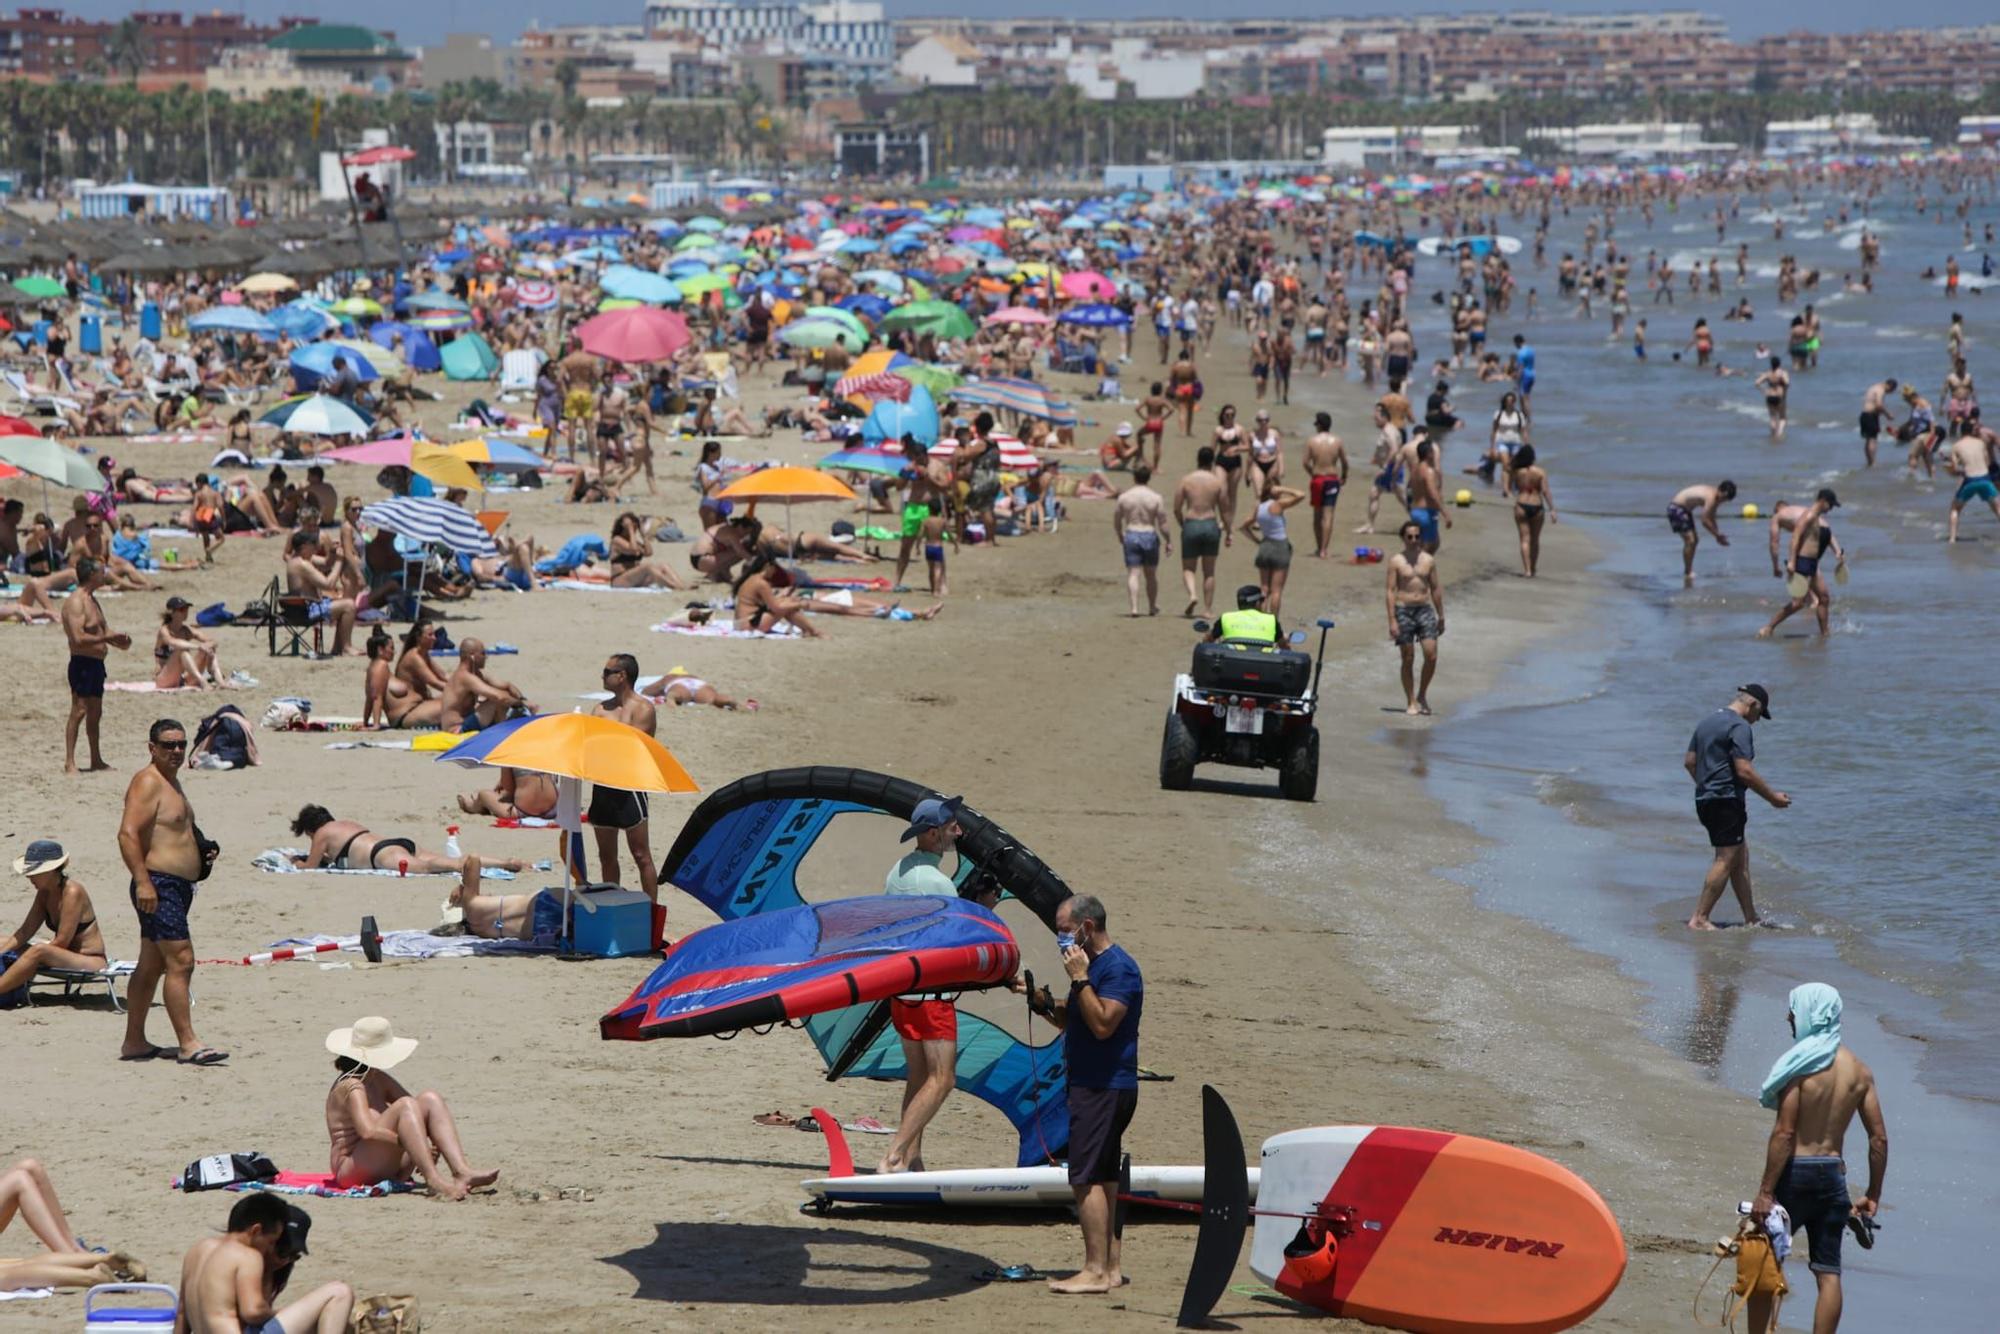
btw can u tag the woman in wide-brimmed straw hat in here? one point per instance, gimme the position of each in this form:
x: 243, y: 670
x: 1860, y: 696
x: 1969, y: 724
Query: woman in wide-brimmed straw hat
x: 61, y: 905
x: 379, y: 1130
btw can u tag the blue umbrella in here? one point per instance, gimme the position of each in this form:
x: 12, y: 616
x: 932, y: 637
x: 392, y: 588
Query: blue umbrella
x: 433, y: 300
x: 418, y: 349
x: 314, y: 362
x: 640, y: 285
x: 1096, y: 317
x: 860, y: 245
x: 315, y: 414
x: 303, y: 320
x: 423, y: 520
x: 889, y: 421
x: 688, y: 267
x: 865, y: 304
x: 233, y: 319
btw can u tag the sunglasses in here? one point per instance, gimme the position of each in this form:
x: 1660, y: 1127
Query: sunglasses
x: 612, y: 671
x: 172, y: 745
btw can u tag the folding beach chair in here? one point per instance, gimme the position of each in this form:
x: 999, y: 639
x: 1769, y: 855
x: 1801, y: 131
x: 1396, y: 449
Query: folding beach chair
x: 110, y: 979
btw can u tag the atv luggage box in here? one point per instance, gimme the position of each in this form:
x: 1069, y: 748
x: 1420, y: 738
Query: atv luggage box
x: 1252, y: 669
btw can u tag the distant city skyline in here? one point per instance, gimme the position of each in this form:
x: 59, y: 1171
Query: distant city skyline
x: 505, y: 19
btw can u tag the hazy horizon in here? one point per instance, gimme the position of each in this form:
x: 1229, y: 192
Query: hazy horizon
x: 506, y: 19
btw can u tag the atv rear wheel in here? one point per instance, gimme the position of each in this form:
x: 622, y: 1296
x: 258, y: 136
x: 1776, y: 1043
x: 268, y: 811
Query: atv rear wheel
x: 1179, y: 751
x: 1298, y: 768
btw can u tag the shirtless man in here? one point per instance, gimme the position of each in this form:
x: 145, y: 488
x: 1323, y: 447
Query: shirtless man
x: 1415, y: 600
x: 1812, y: 540
x: 924, y: 482
x: 1326, y: 465
x: 470, y: 700
x: 1400, y: 349
x: 230, y: 1284
x: 1426, y: 492
x: 1803, y: 1167
x: 89, y: 640
x: 1154, y: 409
x: 1875, y: 415
x: 613, y: 808
x: 1388, y: 443
x: 1776, y: 383
x: 321, y: 495
x: 304, y: 577
x: 1971, y: 462
x: 1198, y: 511
x: 1692, y: 504
x: 1140, y: 519
x: 157, y: 839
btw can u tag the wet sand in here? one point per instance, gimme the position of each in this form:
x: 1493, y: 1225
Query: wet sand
x: 1305, y: 960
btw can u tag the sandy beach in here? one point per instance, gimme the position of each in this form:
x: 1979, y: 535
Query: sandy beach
x: 1309, y: 961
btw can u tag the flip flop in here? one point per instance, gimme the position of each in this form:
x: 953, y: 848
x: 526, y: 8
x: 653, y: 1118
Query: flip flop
x: 206, y: 1056
x: 150, y: 1054
x: 773, y: 1119
x: 1863, y: 1227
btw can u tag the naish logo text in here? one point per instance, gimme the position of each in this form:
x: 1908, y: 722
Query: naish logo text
x: 1495, y: 1241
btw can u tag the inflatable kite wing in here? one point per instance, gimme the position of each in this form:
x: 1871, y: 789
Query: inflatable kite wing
x: 807, y: 960
x: 739, y: 853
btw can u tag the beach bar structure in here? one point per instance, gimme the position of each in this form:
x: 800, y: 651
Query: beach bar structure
x: 133, y: 200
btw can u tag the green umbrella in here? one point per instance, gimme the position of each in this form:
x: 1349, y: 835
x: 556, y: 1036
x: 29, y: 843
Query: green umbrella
x: 701, y: 284
x: 941, y: 318
x: 50, y: 460
x: 40, y: 287
x: 938, y: 382
x: 835, y: 313
x: 694, y: 241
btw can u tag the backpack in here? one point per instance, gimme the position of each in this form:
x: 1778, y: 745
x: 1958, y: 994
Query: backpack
x: 227, y: 1169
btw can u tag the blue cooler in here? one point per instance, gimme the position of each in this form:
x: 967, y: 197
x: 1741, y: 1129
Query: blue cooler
x: 157, y: 1314
x: 621, y: 927
x: 90, y: 335
x: 149, y: 321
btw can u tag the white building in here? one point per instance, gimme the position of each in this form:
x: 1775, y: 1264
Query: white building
x: 1373, y: 146
x: 1631, y: 138
x: 1855, y: 132
x: 941, y: 60
x: 856, y: 29
x: 1154, y: 76
x: 1974, y: 131
x: 132, y: 200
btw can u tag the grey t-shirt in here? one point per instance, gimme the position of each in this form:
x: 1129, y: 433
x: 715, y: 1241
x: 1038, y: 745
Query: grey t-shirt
x: 1719, y: 741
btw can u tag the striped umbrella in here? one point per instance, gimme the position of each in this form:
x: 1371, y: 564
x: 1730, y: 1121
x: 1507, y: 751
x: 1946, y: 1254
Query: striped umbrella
x: 500, y: 455
x: 880, y: 462
x: 316, y: 414
x: 535, y: 295
x: 882, y: 384
x: 421, y: 519
x: 441, y: 321
x: 1022, y: 396
x: 1014, y: 456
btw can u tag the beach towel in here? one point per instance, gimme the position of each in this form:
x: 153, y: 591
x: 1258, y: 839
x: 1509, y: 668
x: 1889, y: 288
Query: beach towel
x: 590, y: 586
x: 424, y: 945
x: 583, y: 547
x: 369, y: 745
x: 724, y: 631
x: 25, y: 1294
x: 532, y: 821
x: 279, y: 861
x: 148, y: 688
x: 1815, y: 1010
x: 321, y: 1184
x: 500, y: 650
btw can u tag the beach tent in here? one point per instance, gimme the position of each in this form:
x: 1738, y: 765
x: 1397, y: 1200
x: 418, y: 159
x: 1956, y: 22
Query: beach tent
x: 418, y: 349
x: 469, y: 357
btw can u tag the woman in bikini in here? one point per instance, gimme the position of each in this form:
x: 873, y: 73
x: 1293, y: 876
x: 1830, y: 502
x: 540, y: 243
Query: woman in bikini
x: 378, y: 1131
x: 1534, y: 503
x: 183, y: 656
x: 1267, y: 459
x: 62, y: 905
x: 238, y: 435
x: 521, y: 794
x: 420, y: 702
x: 680, y: 688
x: 1232, y: 446
x: 27, y: 1193
x: 632, y: 563
x: 153, y: 491
x: 348, y: 845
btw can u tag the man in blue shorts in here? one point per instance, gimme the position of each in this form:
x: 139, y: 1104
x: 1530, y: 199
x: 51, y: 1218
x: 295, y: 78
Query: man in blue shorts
x: 1524, y: 356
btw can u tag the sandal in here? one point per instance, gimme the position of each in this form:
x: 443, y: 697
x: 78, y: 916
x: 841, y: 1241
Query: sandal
x: 773, y: 1119
x: 206, y: 1056
x: 150, y: 1054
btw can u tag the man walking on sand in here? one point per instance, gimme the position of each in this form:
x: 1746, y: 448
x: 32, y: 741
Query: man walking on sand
x: 1719, y: 759
x: 162, y: 851
x: 927, y: 1028
x: 1198, y: 511
x: 1326, y: 465
x: 1099, y: 1022
x: 89, y: 638
x: 1816, y: 1088
x: 1416, y: 614
x: 613, y: 809
x: 1140, y: 519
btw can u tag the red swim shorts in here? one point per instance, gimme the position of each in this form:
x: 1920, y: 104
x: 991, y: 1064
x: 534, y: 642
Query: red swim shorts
x: 925, y: 1021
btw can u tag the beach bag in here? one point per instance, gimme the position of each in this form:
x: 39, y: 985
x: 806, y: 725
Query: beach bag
x: 386, y: 1313
x: 286, y: 714
x: 227, y: 1169
x: 215, y: 614
x: 1758, y: 1274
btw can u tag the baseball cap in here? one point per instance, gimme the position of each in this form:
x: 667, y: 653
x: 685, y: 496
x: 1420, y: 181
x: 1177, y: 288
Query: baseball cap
x: 1249, y: 595
x: 1124, y: 428
x: 297, y: 1224
x: 1761, y: 695
x: 932, y: 813
x: 176, y: 602
x: 1826, y: 494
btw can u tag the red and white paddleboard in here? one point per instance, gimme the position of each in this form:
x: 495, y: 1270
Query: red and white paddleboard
x: 1429, y: 1231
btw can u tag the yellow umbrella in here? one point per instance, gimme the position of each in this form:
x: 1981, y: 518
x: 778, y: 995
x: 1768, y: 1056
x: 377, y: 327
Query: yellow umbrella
x: 381, y: 358
x: 444, y: 467
x: 267, y: 282
x: 583, y: 746
x: 788, y: 485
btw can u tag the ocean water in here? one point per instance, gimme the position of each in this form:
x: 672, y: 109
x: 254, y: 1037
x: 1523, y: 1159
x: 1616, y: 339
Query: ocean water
x: 1886, y: 734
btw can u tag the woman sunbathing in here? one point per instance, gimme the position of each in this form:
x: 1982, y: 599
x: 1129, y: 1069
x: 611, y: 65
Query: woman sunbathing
x: 153, y: 491
x: 347, y: 845
x: 632, y: 563
x: 63, y: 906
x: 378, y: 1130
x: 677, y: 687
x: 183, y: 654
x: 811, y: 546
x: 521, y: 794
x: 26, y: 1192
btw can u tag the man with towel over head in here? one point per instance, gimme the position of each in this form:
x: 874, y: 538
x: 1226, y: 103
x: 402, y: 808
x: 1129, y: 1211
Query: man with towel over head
x: 1816, y: 1088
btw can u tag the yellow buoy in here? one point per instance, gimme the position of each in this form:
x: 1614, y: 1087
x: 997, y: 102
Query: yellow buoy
x: 1462, y: 499
x: 1750, y: 510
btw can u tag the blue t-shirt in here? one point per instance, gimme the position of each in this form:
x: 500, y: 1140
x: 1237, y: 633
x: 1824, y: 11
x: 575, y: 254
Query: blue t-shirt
x: 1113, y: 1062
x: 1526, y: 356
x: 1720, y: 740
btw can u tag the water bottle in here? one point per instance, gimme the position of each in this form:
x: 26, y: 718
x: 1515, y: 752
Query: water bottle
x: 451, y: 848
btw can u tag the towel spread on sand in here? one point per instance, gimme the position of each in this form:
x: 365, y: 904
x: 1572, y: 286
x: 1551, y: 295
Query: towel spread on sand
x: 320, y: 1184
x: 25, y: 1294
x: 424, y: 945
x: 279, y: 861
x: 591, y: 586
x: 724, y: 631
x: 148, y: 688
x: 499, y: 650
x: 1816, y: 1029
x: 368, y: 745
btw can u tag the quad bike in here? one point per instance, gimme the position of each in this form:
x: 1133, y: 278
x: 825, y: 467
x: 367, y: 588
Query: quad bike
x: 1247, y: 704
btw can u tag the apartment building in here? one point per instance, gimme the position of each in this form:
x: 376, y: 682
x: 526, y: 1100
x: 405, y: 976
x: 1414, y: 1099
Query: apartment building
x: 52, y: 44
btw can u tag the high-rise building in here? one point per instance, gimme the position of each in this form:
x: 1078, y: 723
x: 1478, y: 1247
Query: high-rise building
x: 855, y: 30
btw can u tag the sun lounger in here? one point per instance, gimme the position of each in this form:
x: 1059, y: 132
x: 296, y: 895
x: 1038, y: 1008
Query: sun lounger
x: 86, y: 982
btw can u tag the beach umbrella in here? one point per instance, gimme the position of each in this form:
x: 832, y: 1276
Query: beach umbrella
x: 422, y: 519
x: 316, y: 414
x: 418, y: 349
x: 883, y: 280
x: 380, y: 357
x: 701, y: 283
x: 1014, y: 456
x: 434, y: 321
x: 1096, y: 317
x: 1017, y: 315
x: 705, y: 224
x: 889, y: 420
x: 860, y: 245
x: 881, y: 384
x: 878, y: 462
x: 262, y: 283
x: 943, y: 319
x: 356, y: 307
x: 865, y: 304
x: 314, y: 362
x: 501, y: 455
x: 786, y: 484
x: 642, y: 285
x: 935, y: 379
x: 1022, y: 396
x: 50, y: 460
x: 419, y: 456
x: 1088, y: 286
x: 694, y: 241
x: 16, y: 426
x: 40, y: 287
x: 233, y: 319
x: 821, y: 333
x: 303, y: 320
x: 434, y: 300
x: 642, y: 334
x: 536, y: 295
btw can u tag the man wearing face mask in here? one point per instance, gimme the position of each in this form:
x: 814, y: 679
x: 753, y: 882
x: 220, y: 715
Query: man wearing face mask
x: 1100, y: 1024
x: 928, y: 1028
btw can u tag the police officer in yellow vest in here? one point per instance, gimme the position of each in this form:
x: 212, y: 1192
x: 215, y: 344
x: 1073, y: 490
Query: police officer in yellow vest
x: 1249, y: 622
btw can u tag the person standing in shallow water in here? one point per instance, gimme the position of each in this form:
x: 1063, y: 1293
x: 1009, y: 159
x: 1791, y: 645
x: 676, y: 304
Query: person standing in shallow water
x: 1719, y: 759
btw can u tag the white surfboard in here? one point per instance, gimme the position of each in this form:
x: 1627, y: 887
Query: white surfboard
x: 1000, y: 1187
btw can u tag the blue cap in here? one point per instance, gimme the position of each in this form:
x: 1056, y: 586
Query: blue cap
x: 932, y: 813
x: 44, y: 854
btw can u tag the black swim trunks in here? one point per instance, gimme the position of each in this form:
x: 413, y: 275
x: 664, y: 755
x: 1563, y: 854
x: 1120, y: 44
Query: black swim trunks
x: 616, y: 808
x: 86, y: 676
x: 1097, y: 1121
x: 1724, y: 818
x: 169, y: 918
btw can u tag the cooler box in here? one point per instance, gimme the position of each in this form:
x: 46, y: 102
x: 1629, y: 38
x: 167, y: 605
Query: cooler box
x: 90, y: 335
x: 157, y: 1314
x: 149, y: 321
x: 1254, y: 670
x: 621, y: 927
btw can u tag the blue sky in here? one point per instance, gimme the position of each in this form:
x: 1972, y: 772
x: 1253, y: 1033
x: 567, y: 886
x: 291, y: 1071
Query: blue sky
x: 505, y: 18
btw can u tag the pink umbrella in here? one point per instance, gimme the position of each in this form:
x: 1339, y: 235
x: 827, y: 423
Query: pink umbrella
x: 1017, y: 315
x: 382, y: 453
x: 634, y: 335
x: 1014, y: 456
x: 1089, y: 286
x: 535, y: 295
x: 881, y: 384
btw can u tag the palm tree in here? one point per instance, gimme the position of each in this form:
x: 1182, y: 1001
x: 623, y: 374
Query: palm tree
x: 129, y: 48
